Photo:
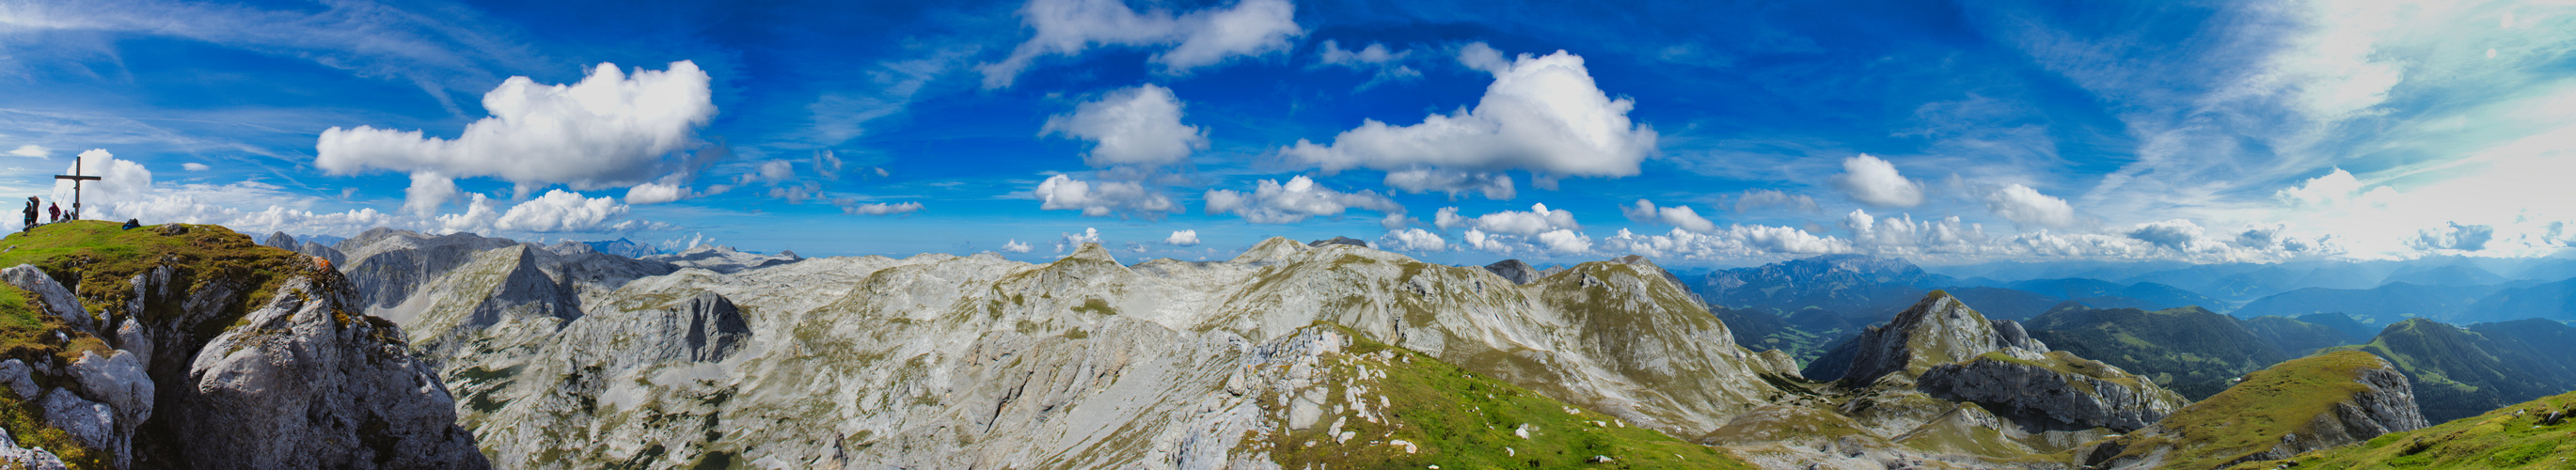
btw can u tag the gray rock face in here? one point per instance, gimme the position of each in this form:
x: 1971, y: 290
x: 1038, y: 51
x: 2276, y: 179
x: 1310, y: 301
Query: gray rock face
x: 387, y: 265
x: 91, y: 423
x: 56, y: 299
x: 279, y: 240
x: 303, y: 383
x: 118, y: 381
x: 2386, y: 405
x: 1513, y: 270
x: 1937, y: 330
x: 2041, y: 399
x: 317, y: 249
x: 2377, y: 400
x: 20, y: 379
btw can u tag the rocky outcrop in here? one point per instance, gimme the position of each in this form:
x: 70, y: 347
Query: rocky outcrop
x: 1513, y: 270
x: 279, y: 240
x: 53, y: 297
x: 2305, y: 404
x: 2061, y: 392
x: 305, y: 383
x: 319, y: 250
x: 1339, y: 240
x: 1936, y: 330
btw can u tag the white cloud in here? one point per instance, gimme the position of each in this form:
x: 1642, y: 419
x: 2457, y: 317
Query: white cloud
x: 1200, y: 38
x: 1753, y: 199
x: 32, y: 151
x: 2176, y: 234
x: 1494, y: 186
x: 1274, y: 203
x: 562, y: 211
x: 1677, y: 216
x: 1098, y: 199
x: 1131, y: 126
x: 1015, y: 246
x: 2028, y: 207
x: 1182, y: 238
x: 1413, y: 240
x: 611, y: 129
x: 119, y: 180
x: 427, y: 193
x: 2453, y: 237
x: 1559, y: 242
x: 1542, y: 114
x: 1538, y: 220
x: 1875, y: 182
x: 1068, y: 240
x: 194, y: 166
x: 659, y: 192
x: 881, y: 208
x: 1397, y: 221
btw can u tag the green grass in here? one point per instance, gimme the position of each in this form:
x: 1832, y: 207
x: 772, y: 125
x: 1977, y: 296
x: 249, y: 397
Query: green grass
x: 2252, y: 416
x: 91, y: 252
x: 2512, y: 437
x: 1458, y: 419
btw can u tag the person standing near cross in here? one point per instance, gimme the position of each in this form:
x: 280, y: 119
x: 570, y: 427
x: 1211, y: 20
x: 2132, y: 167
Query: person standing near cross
x: 76, y: 178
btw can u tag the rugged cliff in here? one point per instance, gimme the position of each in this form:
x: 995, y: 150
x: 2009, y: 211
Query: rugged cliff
x: 188, y: 346
x: 2305, y: 404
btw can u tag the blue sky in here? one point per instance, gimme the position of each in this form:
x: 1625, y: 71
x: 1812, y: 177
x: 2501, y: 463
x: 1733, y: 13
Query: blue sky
x: 1724, y: 133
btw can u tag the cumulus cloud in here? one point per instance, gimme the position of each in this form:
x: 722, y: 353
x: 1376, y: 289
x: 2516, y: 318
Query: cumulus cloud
x: 1413, y: 240
x: 428, y: 192
x: 1539, y: 219
x: 194, y: 166
x: 1015, y: 246
x: 1677, y: 216
x: 1272, y: 202
x: 1069, y: 240
x: 1494, y: 186
x: 1198, y: 39
x: 1901, y: 235
x: 1132, y: 126
x: 32, y: 151
x: 2028, y: 207
x: 1875, y: 182
x: 1102, y: 198
x: 1182, y: 238
x: 2455, y: 236
x: 561, y: 211
x: 1542, y: 114
x: 881, y: 208
x: 611, y: 129
x: 1559, y: 242
x: 127, y: 191
x: 658, y: 192
x: 1755, y: 199
x: 2177, y: 234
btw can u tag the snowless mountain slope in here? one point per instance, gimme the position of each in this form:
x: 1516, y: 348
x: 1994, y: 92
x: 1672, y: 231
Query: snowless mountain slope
x: 944, y: 361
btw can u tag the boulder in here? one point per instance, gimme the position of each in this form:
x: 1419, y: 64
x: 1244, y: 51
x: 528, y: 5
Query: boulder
x: 57, y: 300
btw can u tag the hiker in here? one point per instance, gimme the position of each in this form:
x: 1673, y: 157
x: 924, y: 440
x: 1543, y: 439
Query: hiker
x: 31, y: 213
x: 130, y: 224
x: 57, y: 210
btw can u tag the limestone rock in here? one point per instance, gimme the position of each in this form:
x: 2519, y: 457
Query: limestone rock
x: 1513, y: 270
x: 91, y: 423
x: 279, y: 240
x: 1937, y: 330
x: 56, y: 299
x: 2059, y: 392
x: 306, y: 383
x: 32, y: 459
x: 117, y: 380
x: 722, y: 259
x: 20, y: 379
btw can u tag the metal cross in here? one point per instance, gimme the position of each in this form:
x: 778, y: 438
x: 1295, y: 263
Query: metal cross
x: 76, y: 178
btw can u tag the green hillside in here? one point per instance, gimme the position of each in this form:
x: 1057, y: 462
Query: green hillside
x: 2460, y: 373
x: 2539, y: 434
x: 1455, y: 418
x: 2293, y: 337
x: 2190, y: 350
x: 2253, y: 416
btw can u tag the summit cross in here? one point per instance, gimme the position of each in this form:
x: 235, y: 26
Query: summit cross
x: 76, y: 178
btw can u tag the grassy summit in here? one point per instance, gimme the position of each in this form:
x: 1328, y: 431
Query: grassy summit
x: 106, y: 257
x: 2540, y: 434
x: 2254, y: 415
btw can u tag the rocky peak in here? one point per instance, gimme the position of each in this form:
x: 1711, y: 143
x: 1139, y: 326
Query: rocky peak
x: 280, y: 240
x: 1513, y: 270
x: 1936, y: 330
x: 1270, y: 251
x: 1092, y: 252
